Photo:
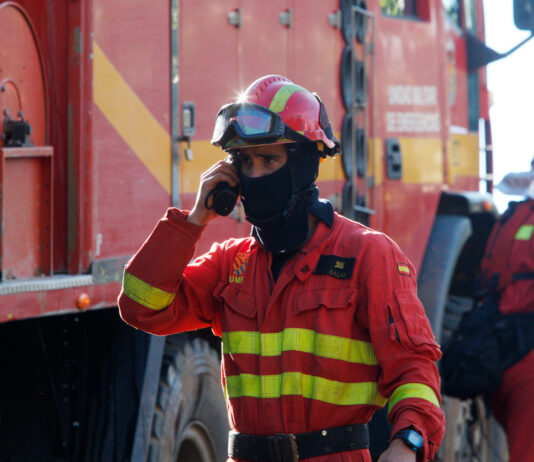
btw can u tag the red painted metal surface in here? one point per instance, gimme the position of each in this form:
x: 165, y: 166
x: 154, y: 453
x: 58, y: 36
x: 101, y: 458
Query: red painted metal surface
x: 408, y: 56
x: 262, y: 46
x: 409, y: 217
x: 208, y: 60
x: 123, y: 188
x: 456, y: 73
x: 26, y: 212
x: 25, y: 305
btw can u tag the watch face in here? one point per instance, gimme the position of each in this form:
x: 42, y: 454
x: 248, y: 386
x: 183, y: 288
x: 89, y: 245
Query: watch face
x: 415, y: 439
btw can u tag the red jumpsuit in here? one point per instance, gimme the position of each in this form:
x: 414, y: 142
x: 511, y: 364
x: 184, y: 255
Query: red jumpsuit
x: 510, y: 251
x: 340, y: 333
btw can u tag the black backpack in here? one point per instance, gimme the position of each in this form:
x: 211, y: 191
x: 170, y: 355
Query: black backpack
x: 484, y: 345
x: 471, y: 362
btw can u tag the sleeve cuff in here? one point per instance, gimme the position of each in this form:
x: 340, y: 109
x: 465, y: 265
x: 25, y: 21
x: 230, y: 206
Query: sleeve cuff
x: 178, y: 218
x: 162, y: 258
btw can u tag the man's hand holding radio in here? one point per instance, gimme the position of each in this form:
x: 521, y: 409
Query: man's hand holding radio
x: 210, y: 189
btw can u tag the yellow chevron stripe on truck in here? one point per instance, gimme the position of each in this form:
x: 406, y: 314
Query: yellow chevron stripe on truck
x: 131, y: 119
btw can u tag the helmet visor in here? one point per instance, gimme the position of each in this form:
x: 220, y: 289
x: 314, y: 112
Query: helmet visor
x: 249, y: 122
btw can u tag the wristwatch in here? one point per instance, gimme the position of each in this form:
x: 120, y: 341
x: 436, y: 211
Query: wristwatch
x: 411, y: 438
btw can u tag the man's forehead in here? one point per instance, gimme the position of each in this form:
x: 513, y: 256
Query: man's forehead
x: 276, y: 149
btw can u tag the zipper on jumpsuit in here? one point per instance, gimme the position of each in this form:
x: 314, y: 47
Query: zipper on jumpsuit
x: 268, y: 271
x: 393, y: 332
x: 268, y: 262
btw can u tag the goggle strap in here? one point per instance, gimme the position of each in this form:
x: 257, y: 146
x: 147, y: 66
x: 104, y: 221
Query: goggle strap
x: 324, y: 122
x: 293, y: 171
x: 293, y: 135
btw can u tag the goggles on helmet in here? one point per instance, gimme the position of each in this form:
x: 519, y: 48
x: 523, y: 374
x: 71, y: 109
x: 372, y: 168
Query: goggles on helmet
x: 251, y: 123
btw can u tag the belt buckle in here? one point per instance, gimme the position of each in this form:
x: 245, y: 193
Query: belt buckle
x: 283, y: 447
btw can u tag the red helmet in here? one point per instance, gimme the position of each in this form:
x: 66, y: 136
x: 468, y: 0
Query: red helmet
x: 286, y: 104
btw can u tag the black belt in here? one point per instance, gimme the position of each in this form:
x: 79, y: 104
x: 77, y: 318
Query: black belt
x: 291, y: 448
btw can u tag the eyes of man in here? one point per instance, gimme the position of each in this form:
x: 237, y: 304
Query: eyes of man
x: 246, y: 160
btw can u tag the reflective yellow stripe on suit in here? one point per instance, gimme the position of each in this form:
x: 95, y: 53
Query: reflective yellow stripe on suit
x: 524, y: 233
x: 307, y: 386
x: 304, y: 340
x: 298, y: 383
x: 145, y: 294
x: 412, y: 390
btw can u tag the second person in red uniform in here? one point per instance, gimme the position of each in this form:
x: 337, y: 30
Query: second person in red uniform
x: 508, y: 275
x: 319, y: 315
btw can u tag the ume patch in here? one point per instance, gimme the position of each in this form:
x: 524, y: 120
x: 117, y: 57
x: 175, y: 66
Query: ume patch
x: 239, y: 267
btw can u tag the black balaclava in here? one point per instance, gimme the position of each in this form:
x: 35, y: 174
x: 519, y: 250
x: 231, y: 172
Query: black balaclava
x: 277, y: 204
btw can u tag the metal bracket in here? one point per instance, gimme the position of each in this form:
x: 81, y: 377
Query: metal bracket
x: 188, y: 152
x: 334, y: 19
x: 286, y: 18
x: 235, y: 18
x: 393, y: 159
x: 16, y: 133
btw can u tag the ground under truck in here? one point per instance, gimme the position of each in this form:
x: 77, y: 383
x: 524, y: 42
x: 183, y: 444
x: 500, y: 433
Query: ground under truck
x: 106, y: 112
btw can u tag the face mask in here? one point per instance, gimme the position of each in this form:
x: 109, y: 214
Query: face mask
x: 266, y: 196
x: 279, y: 214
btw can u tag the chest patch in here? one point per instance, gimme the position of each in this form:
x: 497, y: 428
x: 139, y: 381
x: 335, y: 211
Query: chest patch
x: 338, y: 267
x: 238, y: 268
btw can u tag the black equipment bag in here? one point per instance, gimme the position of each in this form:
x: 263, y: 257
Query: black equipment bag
x: 470, y: 365
x: 485, y: 344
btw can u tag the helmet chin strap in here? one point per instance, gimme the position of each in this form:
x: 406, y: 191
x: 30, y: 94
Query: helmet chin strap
x: 297, y: 196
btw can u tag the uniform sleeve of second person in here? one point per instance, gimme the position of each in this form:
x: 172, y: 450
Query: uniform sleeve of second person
x: 161, y: 293
x: 403, y: 343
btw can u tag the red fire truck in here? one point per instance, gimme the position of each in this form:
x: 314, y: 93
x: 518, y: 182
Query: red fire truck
x: 107, y: 109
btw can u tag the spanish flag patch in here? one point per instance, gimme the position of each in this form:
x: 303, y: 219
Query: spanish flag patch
x: 403, y: 269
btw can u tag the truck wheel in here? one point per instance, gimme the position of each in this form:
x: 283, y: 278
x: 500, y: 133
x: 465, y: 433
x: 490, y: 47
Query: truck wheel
x: 471, y: 435
x: 190, y: 422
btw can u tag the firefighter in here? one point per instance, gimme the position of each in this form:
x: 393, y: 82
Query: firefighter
x: 319, y: 315
x: 508, y: 276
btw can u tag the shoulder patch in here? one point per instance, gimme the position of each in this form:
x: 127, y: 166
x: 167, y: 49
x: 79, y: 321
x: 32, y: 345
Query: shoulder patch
x: 404, y: 269
x: 338, y: 267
